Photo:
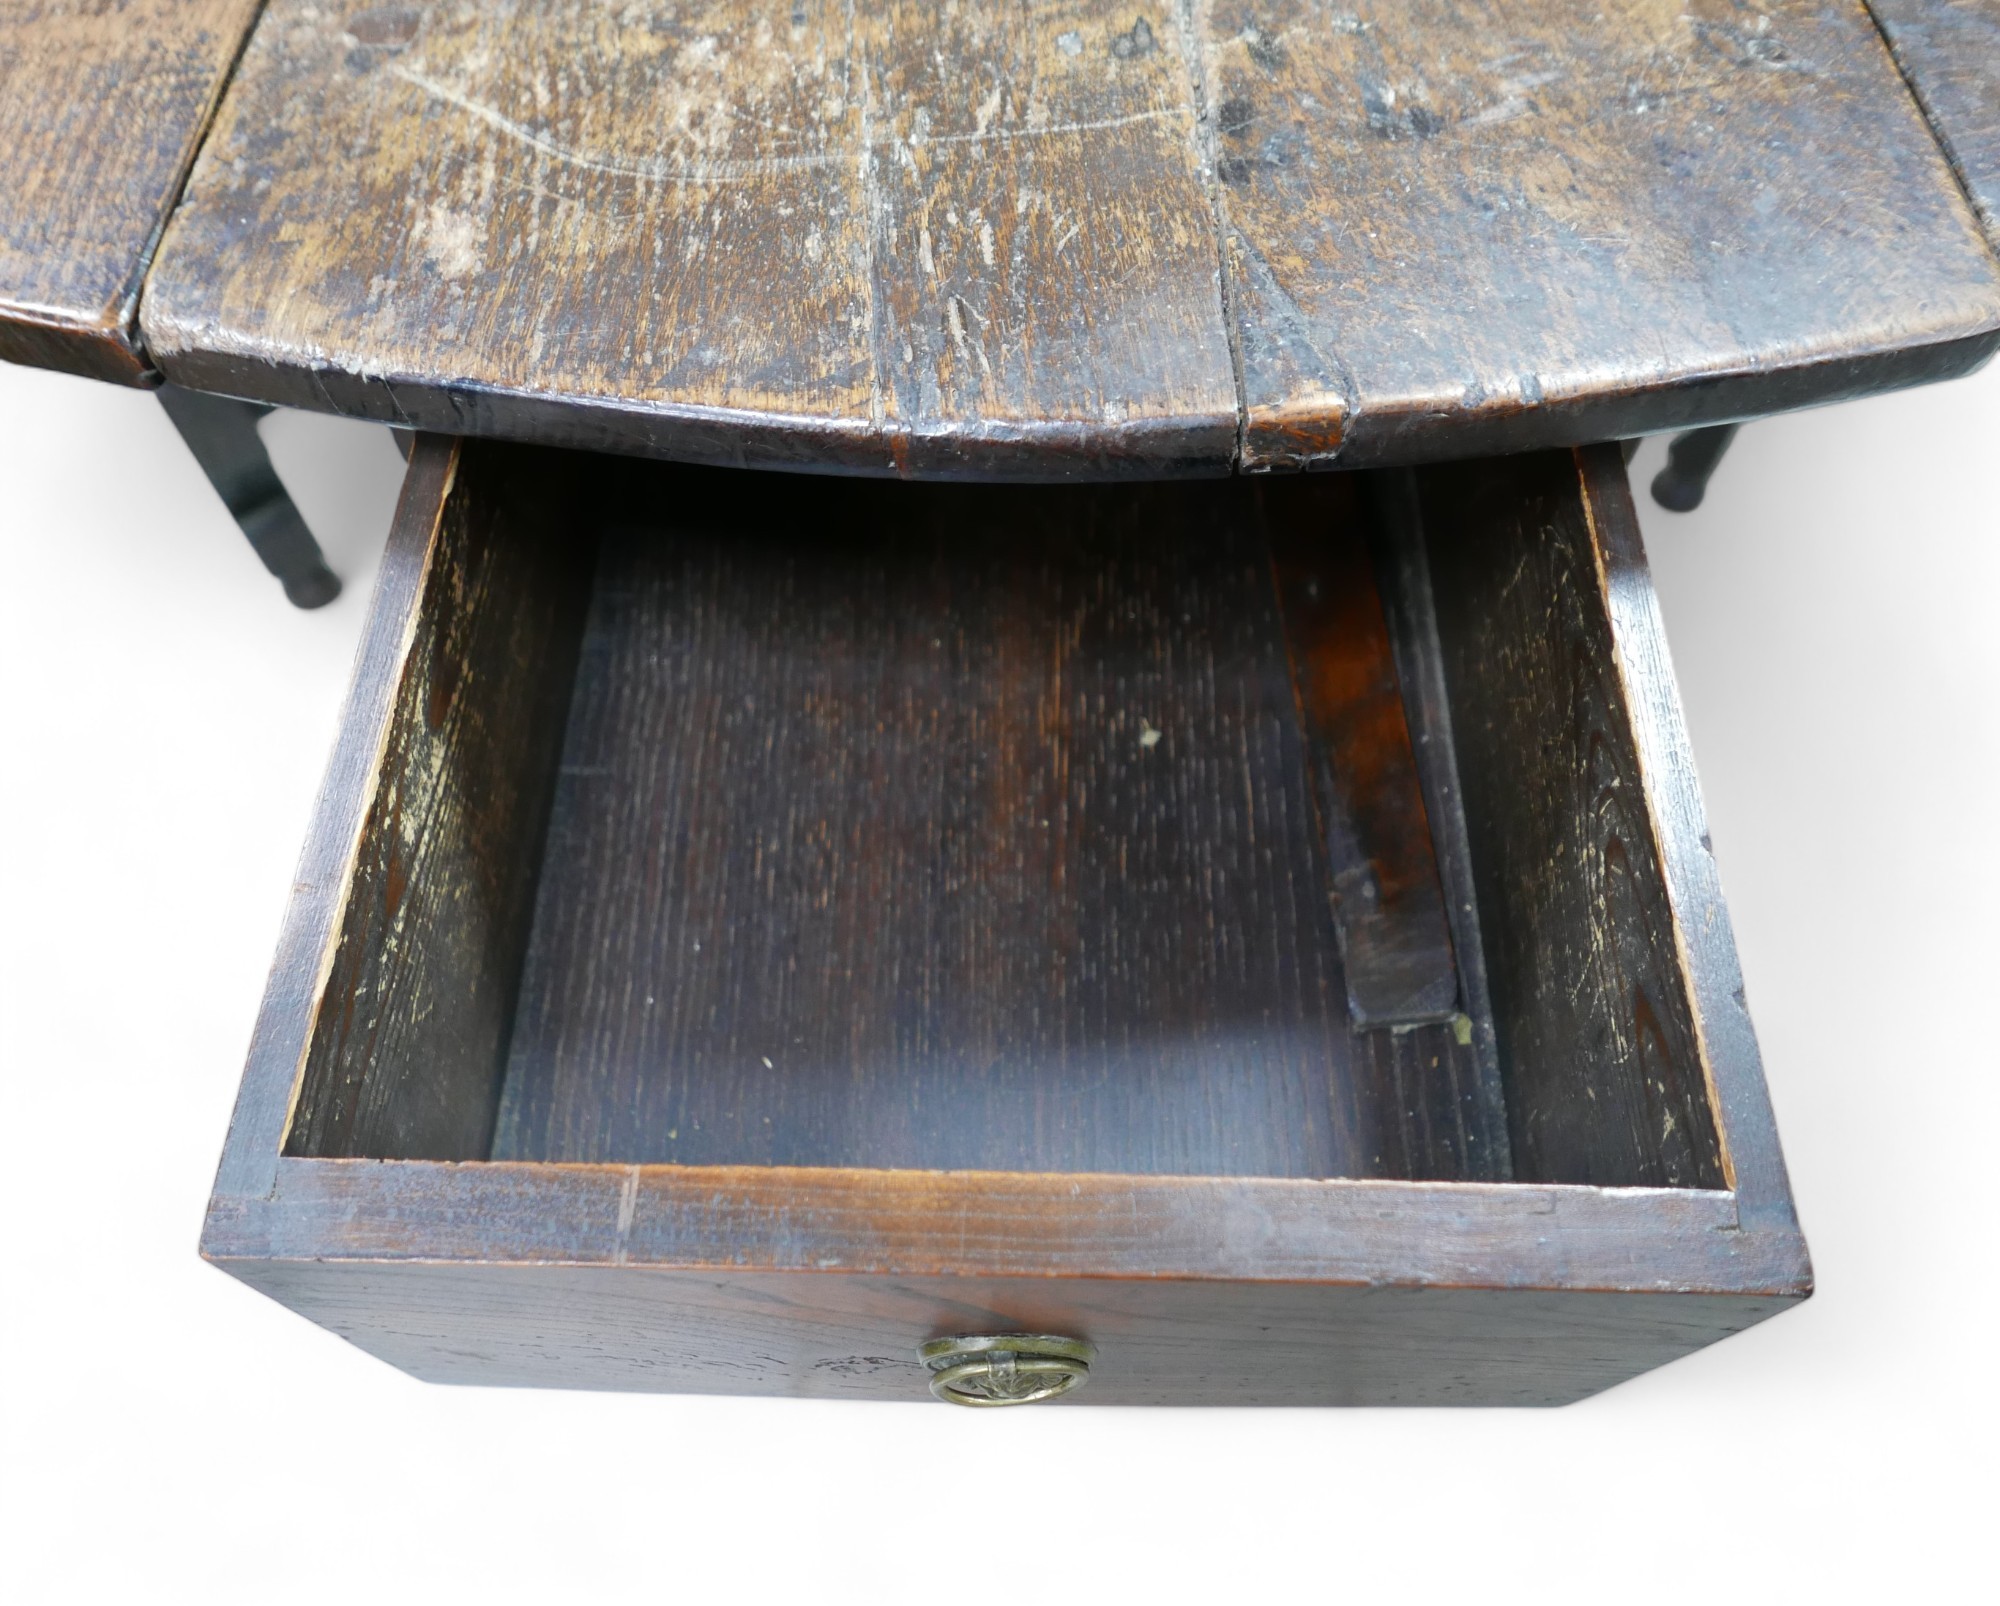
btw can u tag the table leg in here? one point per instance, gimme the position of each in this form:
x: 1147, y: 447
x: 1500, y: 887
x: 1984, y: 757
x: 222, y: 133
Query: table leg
x: 1691, y: 459
x: 221, y: 432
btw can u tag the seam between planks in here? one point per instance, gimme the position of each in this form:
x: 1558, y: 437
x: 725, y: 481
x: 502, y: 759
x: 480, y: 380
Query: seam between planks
x: 1204, y: 140
x: 142, y: 270
x: 1989, y: 226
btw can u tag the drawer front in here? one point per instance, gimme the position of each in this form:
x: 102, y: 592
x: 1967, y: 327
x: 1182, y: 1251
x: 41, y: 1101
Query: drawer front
x: 1155, y: 1343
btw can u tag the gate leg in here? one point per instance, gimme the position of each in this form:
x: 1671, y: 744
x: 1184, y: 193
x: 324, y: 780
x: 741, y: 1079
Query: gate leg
x: 221, y: 432
x: 1691, y: 459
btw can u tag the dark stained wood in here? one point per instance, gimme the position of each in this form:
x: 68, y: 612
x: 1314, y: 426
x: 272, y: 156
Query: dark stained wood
x: 1159, y: 1342
x: 261, y: 1123
x: 1104, y: 241
x: 416, y: 1006
x: 946, y: 828
x: 102, y: 106
x: 1465, y: 226
x: 772, y: 1278
x: 751, y: 1280
x: 1692, y: 460
x: 1598, y: 1048
x: 1395, y: 942
x: 221, y: 434
x: 895, y: 238
x: 1402, y: 569
x: 1431, y: 1108
x: 1011, y: 1224
x: 1043, y: 257
x: 1753, y: 1164
x: 1950, y: 52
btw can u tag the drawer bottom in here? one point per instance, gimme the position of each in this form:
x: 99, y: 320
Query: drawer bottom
x: 933, y: 828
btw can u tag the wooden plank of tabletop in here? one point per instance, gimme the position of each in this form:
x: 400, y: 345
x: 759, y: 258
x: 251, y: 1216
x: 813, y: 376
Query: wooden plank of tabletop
x: 960, y: 242
x: 1456, y: 227
x: 1950, y: 52
x: 102, y: 107
x: 885, y: 237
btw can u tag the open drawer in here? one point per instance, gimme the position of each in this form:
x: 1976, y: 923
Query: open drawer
x: 1261, y: 933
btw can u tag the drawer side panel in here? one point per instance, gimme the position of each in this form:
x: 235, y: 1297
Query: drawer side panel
x: 1598, y: 1048
x: 413, y: 1021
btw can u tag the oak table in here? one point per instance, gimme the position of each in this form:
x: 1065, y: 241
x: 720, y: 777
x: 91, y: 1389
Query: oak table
x: 1253, y: 941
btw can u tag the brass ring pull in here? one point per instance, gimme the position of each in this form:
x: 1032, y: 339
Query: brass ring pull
x: 1006, y: 1368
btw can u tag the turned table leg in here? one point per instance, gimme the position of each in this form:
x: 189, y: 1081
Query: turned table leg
x: 221, y: 432
x: 1691, y: 459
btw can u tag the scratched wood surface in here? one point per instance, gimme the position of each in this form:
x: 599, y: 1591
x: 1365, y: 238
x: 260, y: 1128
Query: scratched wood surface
x: 1087, y: 239
x: 798, y: 904
x: 1950, y: 52
x: 882, y: 237
x: 1603, y: 1068
x: 830, y: 1334
x: 102, y: 106
x: 1484, y: 225
x: 940, y: 827
x: 1196, y: 1290
x: 766, y: 1278
x: 405, y: 1055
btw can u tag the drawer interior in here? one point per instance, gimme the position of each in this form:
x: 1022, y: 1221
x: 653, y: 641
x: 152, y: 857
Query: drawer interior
x: 1289, y: 828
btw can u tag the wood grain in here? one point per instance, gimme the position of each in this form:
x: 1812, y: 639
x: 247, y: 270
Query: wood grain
x: 1949, y: 51
x: 1403, y: 580
x: 1159, y: 1342
x: 261, y: 1123
x: 930, y: 827
x: 1752, y: 1162
x: 419, y: 998
x: 1464, y: 226
x: 980, y: 242
x: 103, y: 104
x: 1395, y: 939
x: 1602, y: 1063
x: 1013, y: 1224
x: 754, y: 1280
x: 772, y: 1278
x: 895, y: 238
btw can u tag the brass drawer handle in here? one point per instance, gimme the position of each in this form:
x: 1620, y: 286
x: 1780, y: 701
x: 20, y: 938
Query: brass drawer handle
x: 1006, y: 1368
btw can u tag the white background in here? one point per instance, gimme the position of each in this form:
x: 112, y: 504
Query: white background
x: 170, y: 1436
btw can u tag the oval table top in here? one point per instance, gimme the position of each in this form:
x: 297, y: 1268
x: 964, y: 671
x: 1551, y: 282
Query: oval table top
x: 1094, y: 238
